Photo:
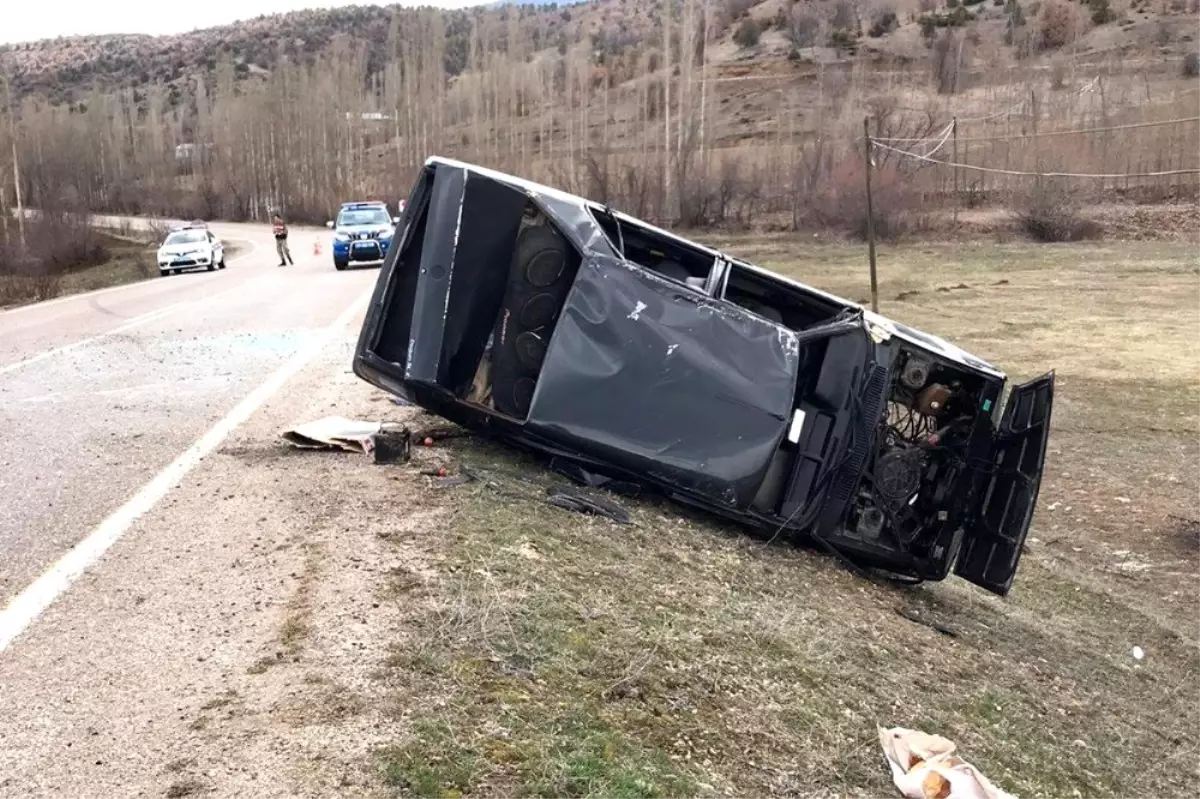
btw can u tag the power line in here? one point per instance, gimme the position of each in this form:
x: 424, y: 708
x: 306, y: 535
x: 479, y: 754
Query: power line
x: 1086, y: 88
x: 1079, y: 131
x: 1017, y: 173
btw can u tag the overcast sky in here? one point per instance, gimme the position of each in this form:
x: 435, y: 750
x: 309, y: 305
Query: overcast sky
x: 23, y: 21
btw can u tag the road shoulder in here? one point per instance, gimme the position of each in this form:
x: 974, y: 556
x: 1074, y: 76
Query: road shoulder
x: 224, y: 646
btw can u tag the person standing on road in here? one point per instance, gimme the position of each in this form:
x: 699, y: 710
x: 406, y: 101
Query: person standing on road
x: 280, y: 229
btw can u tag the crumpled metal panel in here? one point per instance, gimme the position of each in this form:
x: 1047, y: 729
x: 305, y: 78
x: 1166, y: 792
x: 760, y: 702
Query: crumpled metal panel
x: 663, y: 381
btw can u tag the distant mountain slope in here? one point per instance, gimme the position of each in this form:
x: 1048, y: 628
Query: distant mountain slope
x: 64, y: 70
x: 746, y: 34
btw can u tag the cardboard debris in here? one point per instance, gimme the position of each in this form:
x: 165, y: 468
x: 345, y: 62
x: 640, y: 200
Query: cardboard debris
x: 385, y: 441
x: 926, y: 767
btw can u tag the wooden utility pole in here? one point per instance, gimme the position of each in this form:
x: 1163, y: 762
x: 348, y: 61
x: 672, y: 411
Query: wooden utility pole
x: 12, y: 133
x: 666, y: 165
x: 1037, y: 154
x: 17, y: 187
x: 870, y: 213
x: 704, y: 82
x: 954, y: 133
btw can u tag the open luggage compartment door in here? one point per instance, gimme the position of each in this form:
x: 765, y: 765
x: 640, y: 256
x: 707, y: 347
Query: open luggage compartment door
x: 989, y: 555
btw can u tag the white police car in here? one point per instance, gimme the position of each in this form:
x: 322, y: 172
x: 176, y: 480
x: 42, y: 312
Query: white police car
x: 191, y: 246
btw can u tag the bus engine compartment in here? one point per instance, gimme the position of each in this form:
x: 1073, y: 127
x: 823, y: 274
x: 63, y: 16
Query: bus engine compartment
x: 567, y: 328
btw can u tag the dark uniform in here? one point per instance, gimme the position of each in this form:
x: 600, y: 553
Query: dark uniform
x: 280, y: 229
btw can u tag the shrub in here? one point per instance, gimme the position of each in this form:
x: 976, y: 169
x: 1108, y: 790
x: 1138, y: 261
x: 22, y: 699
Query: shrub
x: 747, y: 34
x: 736, y: 9
x: 803, y: 29
x: 1101, y: 11
x: 838, y: 201
x: 1191, y: 65
x: 1049, y: 211
x: 1058, y: 75
x: 1058, y: 24
x: 842, y: 40
x: 844, y: 17
x: 882, y: 23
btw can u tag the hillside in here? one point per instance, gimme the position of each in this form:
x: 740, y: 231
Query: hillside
x: 730, y: 110
x: 67, y: 69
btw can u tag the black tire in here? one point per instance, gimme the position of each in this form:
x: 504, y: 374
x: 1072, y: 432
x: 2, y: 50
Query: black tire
x: 340, y: 265
x: 212, y: 266
x: 174, y: 271
x: 541, y: 274
x: 164, y: 272
x: 222, y: 264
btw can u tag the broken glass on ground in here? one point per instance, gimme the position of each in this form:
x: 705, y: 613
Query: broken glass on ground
x: 597, y: 340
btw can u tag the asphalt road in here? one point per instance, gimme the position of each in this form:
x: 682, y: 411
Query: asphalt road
x: 158, y: 544
x: 100, y: 392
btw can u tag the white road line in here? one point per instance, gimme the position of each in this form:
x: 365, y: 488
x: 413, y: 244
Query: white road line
x: 26, y: 606
x: 110, y: 289
x: 136, y: 321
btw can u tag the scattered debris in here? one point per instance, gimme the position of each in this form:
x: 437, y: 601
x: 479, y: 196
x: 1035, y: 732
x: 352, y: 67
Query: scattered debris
x: 438, y: 432
x: 904, y: 295
x: 1138, y: 653
x: 925, y: 767
x: 914, y: 615
x: 385, y: 442
x: 948, y: 289
x: 451, y: 481
x: 585, y: 477
x: 392, y: 445
x: 569, y: 498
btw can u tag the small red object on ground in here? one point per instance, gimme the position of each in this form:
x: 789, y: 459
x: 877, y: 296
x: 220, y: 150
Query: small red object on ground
x: 428, y: 441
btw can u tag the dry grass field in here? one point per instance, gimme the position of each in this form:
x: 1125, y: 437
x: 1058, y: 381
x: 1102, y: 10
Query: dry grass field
x: 544, y: 653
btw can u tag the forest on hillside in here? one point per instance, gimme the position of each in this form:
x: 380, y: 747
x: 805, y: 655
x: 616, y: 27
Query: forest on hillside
x: 692, y: 112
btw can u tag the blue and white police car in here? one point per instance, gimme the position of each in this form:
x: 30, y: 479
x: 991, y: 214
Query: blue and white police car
x: 362, y: 234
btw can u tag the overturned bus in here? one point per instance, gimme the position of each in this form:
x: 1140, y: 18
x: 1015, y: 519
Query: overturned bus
x: 562, y: 326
